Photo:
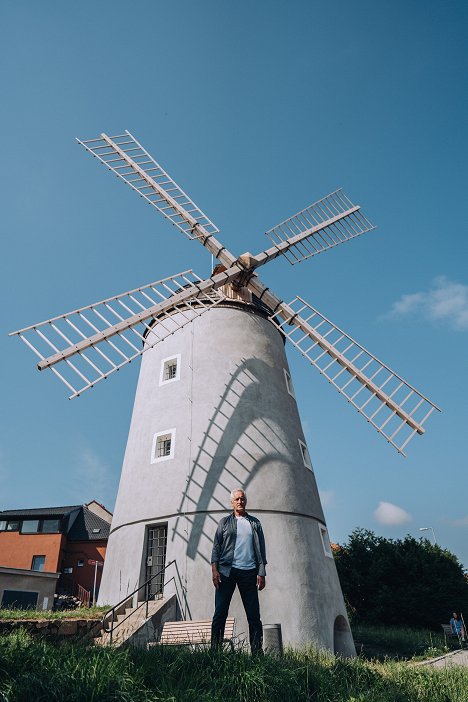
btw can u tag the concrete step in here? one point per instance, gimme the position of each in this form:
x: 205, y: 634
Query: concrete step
x: 128, y: 624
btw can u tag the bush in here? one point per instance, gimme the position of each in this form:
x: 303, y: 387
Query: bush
x: 403, y: 582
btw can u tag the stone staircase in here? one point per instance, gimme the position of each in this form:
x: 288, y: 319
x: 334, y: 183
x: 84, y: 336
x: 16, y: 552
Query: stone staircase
x: 132, y: 626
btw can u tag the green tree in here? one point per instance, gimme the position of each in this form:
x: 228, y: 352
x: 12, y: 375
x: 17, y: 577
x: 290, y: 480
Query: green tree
x: 406, y: 581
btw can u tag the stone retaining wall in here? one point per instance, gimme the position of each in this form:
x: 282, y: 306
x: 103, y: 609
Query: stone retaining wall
x: 78, y: 628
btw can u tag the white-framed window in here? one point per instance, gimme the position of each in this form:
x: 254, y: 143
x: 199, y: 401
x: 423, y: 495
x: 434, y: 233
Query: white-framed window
x: 289, y: 383
x: 305, y: 455
x: 163, y: 446
x: 170, y: 369
x: 325, y: 541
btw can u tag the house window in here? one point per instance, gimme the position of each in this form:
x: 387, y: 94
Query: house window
x: 325, y: 541
x: 30, y: 526
x: 305, y: 455
x: 38, y: 563
x: 80, y: 562
x: 13, y: 525
x: 170, y: 369
x: 163, y: 446
x: 289, y: 385
x: 50, y: 526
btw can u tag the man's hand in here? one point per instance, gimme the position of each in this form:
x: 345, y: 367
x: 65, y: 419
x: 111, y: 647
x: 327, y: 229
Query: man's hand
x: 260, y: 582
x: 216, y: 577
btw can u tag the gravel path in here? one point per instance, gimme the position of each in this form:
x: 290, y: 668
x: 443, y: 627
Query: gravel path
x: 452, y: 658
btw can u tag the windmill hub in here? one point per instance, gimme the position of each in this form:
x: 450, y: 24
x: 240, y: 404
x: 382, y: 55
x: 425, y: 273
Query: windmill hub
x: 247, y: 260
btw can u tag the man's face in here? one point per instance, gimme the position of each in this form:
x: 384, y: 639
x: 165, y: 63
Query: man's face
x: 239, y: 502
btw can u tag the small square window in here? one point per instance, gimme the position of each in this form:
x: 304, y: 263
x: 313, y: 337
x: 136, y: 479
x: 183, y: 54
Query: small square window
x: 289, y: 384
x: 163, y: 446
x: 38, y: 563
x: 80, y: 562
x: 305, y: 455
x: 13, y: 525
x: 325, y: 541
x: 170, y: 369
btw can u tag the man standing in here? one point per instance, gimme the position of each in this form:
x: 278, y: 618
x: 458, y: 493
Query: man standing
x: 238, y: 558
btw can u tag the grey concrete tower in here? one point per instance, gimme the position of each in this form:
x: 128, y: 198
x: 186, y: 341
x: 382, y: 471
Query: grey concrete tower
x: 215, y: 410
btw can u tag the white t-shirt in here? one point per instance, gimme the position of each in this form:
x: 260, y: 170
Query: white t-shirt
x: 244, y: 554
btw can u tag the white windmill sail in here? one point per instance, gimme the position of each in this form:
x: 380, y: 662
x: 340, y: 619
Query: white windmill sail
x: 92, y: 342
x: 126, y: 157
x: 331, y: 221
x: 130, y: 161
x: 394, y: 407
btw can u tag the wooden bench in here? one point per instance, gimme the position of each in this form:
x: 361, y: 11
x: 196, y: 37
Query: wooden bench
x: 193, y: 632
x: 451, y: 634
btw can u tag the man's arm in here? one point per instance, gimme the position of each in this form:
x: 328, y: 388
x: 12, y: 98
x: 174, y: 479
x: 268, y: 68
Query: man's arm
x: 215, y: 575
x: 215, y: 553
x: 262, y: 564
x: 261, y: 538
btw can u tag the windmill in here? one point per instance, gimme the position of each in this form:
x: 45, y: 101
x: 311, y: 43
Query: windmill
x: 215, y: 405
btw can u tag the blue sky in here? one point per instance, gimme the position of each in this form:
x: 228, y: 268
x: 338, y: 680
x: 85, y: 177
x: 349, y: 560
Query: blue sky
x: 256, y: 109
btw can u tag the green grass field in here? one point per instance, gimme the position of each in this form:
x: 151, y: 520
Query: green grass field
x: 399, y: 642
x: 81, y: 613
x: 36, y: 670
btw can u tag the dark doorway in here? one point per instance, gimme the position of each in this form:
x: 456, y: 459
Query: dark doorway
x: 19, y: 599
x: 155, y: 559
x: 343, y: 644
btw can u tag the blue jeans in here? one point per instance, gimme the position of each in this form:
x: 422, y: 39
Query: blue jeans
x: 246, y: 581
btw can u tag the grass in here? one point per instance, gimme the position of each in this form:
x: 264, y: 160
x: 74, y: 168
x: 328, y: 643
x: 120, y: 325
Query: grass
x: 80, y: 613
x: 399, y: 642
x: 41, y: 671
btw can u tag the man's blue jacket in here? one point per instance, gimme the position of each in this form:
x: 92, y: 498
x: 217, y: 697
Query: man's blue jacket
x: 225, y: 542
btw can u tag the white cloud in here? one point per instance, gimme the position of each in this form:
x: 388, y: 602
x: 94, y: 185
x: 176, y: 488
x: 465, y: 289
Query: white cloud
x: 446, y: 301
x: 326, y: 497
x: 387, y: 513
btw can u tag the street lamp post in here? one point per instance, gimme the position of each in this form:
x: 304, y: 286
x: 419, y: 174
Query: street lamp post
x: 429, y: 529
x: 95, y: 564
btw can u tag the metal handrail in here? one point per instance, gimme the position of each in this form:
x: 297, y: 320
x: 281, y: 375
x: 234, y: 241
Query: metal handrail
x: 128, y: 597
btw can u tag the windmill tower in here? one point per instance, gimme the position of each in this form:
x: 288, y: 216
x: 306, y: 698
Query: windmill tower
x: 215, y: 407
